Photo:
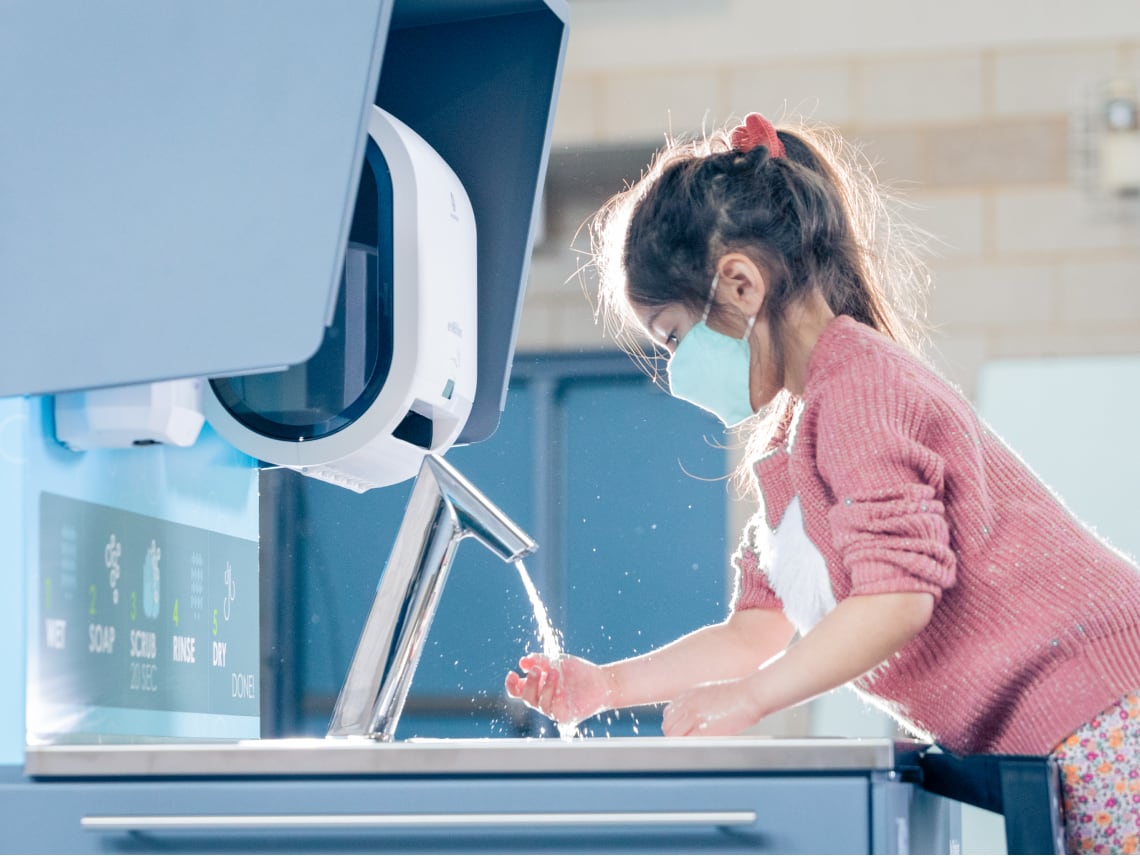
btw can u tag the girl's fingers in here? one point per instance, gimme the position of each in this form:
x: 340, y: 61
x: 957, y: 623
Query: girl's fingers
x: 547, y: 691
x: 529, y: 685
x: 523, y: 687
x: 675, y: 722
x: 529, y: 661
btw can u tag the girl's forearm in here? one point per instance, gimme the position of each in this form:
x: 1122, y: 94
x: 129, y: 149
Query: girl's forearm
x: 732, y: 649
x: 859, y: 634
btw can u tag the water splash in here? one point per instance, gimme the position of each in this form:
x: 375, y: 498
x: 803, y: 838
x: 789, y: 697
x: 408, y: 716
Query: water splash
x: 548, y: 636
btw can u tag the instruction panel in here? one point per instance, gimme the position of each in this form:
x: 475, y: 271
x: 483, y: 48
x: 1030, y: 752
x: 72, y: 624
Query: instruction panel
x: 144, y: 626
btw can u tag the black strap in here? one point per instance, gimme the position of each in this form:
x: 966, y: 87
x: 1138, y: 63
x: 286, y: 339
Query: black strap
x: 1023, y: 788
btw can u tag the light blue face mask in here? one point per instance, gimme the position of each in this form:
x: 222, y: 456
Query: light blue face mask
x: 711, y: 370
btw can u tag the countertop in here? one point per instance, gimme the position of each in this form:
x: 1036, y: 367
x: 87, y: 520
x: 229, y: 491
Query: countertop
x: 494, y: 756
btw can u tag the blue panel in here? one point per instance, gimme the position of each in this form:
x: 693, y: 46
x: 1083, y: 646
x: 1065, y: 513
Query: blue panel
x: 645, y: 516
x: 13, y: 426
x: 340, y: 542
x: 178, y: 179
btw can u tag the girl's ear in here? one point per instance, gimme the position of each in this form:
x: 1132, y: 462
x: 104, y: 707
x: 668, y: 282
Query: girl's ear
x: 742, y: 283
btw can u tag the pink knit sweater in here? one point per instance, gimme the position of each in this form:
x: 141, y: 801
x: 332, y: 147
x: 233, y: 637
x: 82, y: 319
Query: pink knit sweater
x: 1036, y: 626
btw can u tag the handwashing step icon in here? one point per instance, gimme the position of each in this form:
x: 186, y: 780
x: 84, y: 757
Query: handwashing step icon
x: 152, y: 588
x: 231, y: 592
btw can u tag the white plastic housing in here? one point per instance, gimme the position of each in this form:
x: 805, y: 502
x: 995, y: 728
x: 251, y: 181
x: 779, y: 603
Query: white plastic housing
x: 434, y: 360
x: 168, y: 412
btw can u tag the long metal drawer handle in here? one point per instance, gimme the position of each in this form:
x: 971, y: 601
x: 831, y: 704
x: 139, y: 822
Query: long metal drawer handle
x: 150, y: 823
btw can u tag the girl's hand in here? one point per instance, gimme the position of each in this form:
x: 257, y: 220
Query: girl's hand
x: 567, y: 690
x: 719, y: 709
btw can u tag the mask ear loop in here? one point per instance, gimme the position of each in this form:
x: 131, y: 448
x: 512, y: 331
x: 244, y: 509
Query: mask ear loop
x: 709, y: 304
x: 712, y: 294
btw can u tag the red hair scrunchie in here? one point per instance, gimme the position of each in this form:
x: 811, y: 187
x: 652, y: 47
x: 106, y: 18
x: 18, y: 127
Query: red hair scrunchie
x: 756, y: 131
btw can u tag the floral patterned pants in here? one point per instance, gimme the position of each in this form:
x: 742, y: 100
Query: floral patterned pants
x: 1100, y: 781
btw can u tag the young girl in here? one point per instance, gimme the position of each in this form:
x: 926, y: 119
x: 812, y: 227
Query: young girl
x: 915, y: 555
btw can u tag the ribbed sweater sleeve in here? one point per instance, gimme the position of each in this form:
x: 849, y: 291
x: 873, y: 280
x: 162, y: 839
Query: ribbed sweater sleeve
x: 888, y: 521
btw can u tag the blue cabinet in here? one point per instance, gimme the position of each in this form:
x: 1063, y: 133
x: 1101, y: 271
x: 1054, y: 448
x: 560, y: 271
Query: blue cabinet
x: 868, y: 812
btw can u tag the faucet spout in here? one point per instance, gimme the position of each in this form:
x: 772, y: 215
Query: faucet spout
x: 477, y: 517
x: 444, y: 508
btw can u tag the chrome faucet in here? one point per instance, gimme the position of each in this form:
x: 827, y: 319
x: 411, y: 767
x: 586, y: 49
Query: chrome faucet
x: 444, y: 508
